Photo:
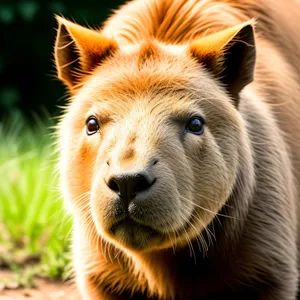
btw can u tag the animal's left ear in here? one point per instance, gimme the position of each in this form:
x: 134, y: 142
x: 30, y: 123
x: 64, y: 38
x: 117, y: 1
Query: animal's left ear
x: 230, y: 55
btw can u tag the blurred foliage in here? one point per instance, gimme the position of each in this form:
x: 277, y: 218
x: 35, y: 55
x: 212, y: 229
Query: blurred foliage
x: 26, y: 61
x: 34, y: 228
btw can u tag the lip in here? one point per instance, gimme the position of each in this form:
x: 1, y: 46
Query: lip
x: 132, y: 234
x: 127, y: 222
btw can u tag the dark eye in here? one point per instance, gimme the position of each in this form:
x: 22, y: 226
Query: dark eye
x: 92, y: 125
x: 195, y: 125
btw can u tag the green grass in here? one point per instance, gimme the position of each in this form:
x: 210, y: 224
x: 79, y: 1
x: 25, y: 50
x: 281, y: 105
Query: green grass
x: 34, y: 229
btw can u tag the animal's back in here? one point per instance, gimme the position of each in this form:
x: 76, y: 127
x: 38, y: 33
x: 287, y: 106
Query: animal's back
x: 179, y: 21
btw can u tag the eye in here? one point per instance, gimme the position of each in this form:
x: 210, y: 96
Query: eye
x: 92, y: 125
x: 195, y: 125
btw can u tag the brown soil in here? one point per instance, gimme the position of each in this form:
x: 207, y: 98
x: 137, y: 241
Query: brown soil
x: 45, y: 290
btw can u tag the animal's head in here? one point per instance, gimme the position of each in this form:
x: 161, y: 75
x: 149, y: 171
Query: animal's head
x: 152, y: 139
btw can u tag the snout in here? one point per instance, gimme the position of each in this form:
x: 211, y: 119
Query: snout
x: 133, y: 186
x: 137, y: 204
x: 130, y: 185
x: 134, y: 190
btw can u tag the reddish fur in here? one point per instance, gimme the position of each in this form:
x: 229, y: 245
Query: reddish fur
x: 247, y: 164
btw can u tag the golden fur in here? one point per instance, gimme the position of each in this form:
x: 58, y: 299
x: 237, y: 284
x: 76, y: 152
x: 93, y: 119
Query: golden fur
x: 223, y: 210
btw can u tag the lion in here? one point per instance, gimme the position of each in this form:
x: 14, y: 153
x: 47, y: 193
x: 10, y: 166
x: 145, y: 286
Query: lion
x: 180, y: 149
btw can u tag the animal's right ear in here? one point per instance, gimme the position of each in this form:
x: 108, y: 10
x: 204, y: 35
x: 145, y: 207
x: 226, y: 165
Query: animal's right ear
x: 78, y: 50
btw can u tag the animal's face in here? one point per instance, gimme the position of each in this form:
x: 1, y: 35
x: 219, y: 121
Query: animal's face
x: 150, y: 148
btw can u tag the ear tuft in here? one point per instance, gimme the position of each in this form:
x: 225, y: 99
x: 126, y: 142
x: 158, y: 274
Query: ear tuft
x: 229, y: 55
x: 78, y: 50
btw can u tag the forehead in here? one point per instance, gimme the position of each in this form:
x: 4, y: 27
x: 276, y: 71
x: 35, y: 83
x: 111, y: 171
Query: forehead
x: 141, y: 76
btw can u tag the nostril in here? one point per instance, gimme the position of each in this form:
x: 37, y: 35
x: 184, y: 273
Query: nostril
x: 127, y: 186
x: 143, y: 184
x: 113, y: 185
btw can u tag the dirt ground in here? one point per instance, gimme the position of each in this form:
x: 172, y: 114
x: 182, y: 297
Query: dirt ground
x: 45, y: 290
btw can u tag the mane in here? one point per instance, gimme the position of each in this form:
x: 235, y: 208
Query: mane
x: 179, y: 21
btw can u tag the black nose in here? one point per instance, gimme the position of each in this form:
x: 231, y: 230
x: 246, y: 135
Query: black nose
x: 129, y: 185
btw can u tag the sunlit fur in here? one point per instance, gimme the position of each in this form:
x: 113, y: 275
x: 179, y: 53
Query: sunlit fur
x: 225, y: 203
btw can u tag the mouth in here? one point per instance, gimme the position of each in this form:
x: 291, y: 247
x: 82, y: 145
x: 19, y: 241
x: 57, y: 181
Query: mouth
x: 133, y: 234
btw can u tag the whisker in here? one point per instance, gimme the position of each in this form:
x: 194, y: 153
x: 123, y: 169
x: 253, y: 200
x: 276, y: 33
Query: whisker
x: 206, y: 209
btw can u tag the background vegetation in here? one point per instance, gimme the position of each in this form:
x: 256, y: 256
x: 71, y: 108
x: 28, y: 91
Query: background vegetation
x: 27, y: 37
x: 34, y: 230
